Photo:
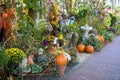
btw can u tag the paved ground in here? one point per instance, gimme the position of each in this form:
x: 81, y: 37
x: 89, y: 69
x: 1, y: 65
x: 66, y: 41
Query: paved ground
x: 104, y: 65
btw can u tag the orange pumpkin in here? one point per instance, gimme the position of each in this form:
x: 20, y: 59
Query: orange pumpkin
x: 81, y: 48
x: 89, y: 49
x: 61, y: 60
x: 101, y: 38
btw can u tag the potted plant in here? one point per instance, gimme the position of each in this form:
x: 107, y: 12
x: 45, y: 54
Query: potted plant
x: 93, y: 41
x: 62, y: 58
x: 15, y: 58
x: 73, y: 52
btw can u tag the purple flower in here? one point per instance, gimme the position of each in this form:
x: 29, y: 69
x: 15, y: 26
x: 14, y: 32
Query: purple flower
x: 60, y: 43
x: 45, y: 43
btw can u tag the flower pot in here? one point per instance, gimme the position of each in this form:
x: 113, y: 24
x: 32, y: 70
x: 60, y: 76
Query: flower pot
x: 52, y: 50
x: 61, y: 70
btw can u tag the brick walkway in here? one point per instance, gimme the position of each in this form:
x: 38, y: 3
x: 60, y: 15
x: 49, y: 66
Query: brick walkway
x: 104, y: 65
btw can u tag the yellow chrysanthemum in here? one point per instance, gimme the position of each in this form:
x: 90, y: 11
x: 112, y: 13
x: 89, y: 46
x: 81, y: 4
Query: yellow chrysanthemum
x: 60, y: 36
x: 15, y: 54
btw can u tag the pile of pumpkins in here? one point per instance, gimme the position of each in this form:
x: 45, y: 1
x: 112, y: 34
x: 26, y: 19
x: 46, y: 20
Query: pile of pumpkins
x: 83, y: 48
x: 89, y: 48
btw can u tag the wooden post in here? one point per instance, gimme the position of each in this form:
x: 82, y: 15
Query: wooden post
x: 10, y: 77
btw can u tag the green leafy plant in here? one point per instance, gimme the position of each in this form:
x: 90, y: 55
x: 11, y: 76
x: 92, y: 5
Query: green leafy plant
x: 76, y: 28
x: 33, y: 7
x: 34, y: 4
x: 83, y: 11
x: 98, y: 25
x: 93, y: 41
x: 113, y: 20
x: 74, y: 55
x: 30, y: 37
x: 36, y: 68
x: 108, y: 36
x: 107, y: 21
x: 118, y: 28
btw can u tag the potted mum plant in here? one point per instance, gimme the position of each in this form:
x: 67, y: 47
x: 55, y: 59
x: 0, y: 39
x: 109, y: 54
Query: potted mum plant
x: 16, y: 55
x: 15, y: 58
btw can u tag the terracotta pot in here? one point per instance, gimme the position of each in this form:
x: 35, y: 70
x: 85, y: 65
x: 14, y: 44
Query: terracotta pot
x: 62, y: 70
x: 52, y: 50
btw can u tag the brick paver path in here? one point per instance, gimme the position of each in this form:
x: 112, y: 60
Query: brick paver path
x: 104, y: 65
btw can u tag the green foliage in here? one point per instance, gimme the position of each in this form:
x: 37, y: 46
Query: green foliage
x: 81, y: 33
x: 24, y: 21
x: 36, y: 68
x: 26, y: 40
x: 113, y: 20
x: 39, y: 31
x: 93, y: 41
x: 33, y: 4
x: 101, y: 24
x: 118, y: 28
x: 4, y: 58
x: 107, y: 21
x: 76, y: 28
x: 74, y: 56
x: 30, y: 36
x: 98, y: 25
x: 108, y: 36
x: 83, y: 11
x: 117, y: 13
x: 88, y: 19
